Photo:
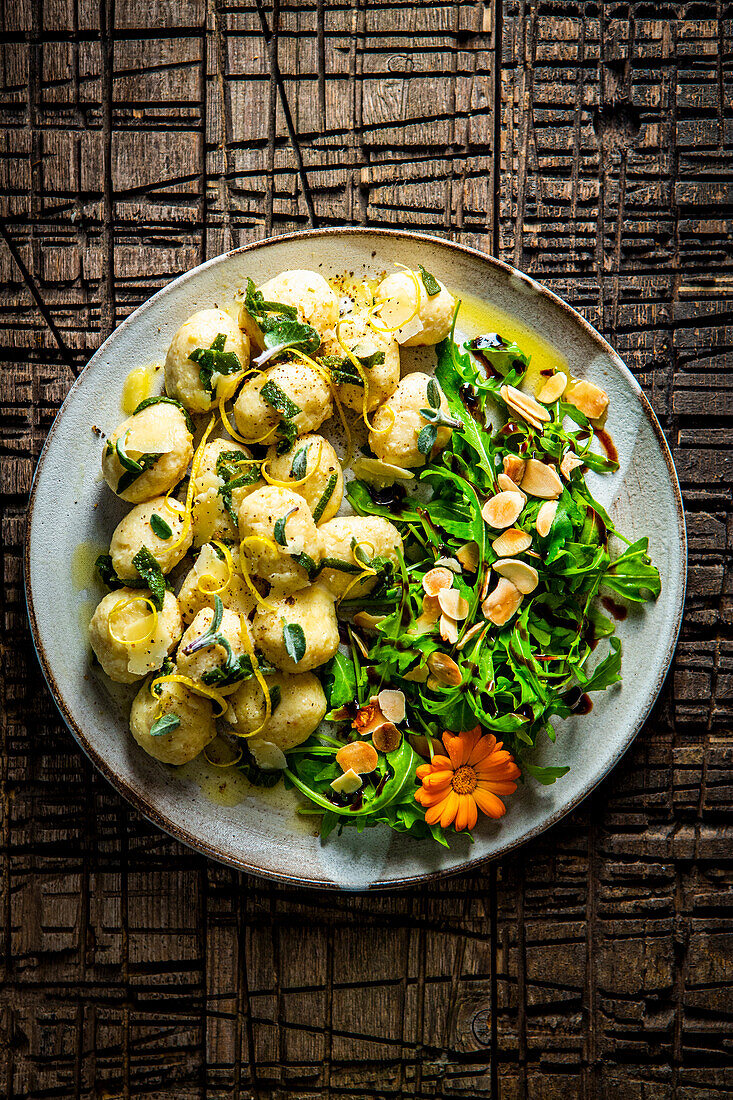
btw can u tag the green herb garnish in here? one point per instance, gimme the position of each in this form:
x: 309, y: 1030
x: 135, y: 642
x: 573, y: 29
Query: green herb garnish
x: 279, y: 530
x: 150, y: 571
x: 431, y: 284
x: 161, y: 399
x: 215, y: 360
x: 165, y: 724
x: 299, y: 465
x: 160, y: 527
x: 279, y: 400
x: 294, y: 638
x: 325, y: 497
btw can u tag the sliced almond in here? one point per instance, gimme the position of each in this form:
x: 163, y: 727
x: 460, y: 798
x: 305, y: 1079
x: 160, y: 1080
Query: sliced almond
x: 526, y: 406
x: 359, y: 756
x: 541, y: 480
x: 502, y: 603
x: 367, y: 621
x: 387, y: 738
x: 485, y: 583
x: 506, y: 484
x: 553, y: 388
x: 417, y: 675
x: 503, y: 509
x: 360, y: 644
x: 475, y: 629
x: 346, y: 783
x: 514, y: 468
x: 444, y: 669
x: 511, y: 542
x: 448, y: 629
x: 430, y: 614
x: 570, y: 462
x: 449, y: 563
x: 589, y: 398
x: 453, y: 604
x: 392, y: 705
x: 368, y: 718
x: 546, y: 518
x: 436, y: 580
x: 524, y: 577
x: 468, y: 556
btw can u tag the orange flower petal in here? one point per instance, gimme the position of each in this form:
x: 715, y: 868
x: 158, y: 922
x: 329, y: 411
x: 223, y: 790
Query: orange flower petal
x: 488, y: 803
x: 431, y: 798
x: 435, y: 812
x: 483, y: 750
x: 437, y: 779
x: 450, y: 809
x: 467, y: 815
x: 506, y: 787
x: 456, y: 749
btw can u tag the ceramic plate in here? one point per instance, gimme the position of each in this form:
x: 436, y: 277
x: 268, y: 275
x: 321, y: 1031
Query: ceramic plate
x: 72, y: 515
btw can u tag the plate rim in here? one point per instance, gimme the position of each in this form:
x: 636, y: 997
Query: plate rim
x: 150, y: 811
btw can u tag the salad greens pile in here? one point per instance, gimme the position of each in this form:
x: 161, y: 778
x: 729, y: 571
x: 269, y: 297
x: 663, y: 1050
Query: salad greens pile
x: 512, y: 680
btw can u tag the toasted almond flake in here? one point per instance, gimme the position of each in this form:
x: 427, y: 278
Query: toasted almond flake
x: 503, y: 510
x: 387, y: 738
x: 430, y: 611
x: 546, y: 518
x: 526, y: 406
x: 468, y: 556
x: 570, y: 462
x: 357, y: 756
x: 437, y: 579
x: 475, y: 629
x: 502, y: 603
x: 453, y: 604
x: 589, y: 398
x: 553, y: 388
x: 448, y: 629
x: 360, y: 644
x: 367, y: 621
x: 417, y: 675
x: 541, y: 480
x: 449, y: 563
x: 506, y: 484
x: 511, y: 542
x: 346, y: 783
x: 524, y: 577
x: 485, y: 584
x: 444, y: 669
x: 514, y: 468
x: 392, y: 705
x: 368, y: 718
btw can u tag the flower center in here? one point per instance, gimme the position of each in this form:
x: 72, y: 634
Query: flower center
x: 464, y: 780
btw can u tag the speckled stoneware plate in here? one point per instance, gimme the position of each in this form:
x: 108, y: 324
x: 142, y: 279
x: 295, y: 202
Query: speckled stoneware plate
x: 72, y: 512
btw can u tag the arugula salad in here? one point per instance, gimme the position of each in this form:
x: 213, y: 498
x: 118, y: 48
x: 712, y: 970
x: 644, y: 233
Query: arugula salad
x: 389, y: 630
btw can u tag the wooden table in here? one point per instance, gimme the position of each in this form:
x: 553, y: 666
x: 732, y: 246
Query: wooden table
x: 586, y: 143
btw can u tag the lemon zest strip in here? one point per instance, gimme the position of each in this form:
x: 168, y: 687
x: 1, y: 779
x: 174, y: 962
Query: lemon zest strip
x: 229, y: 763
x: 249, y: 650
x: 128, y: 601
x: 207, y: 591
x: 248, y: 580
x: 289, y: 484
x: 332, y: 389
x: 192, y: 685
x: 195, y: 466
x: 379, y: 305
x: 233, y: 431
x: 367, y: 571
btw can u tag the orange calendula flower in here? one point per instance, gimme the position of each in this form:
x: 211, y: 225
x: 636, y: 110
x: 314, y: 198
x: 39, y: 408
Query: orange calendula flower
x: 470, y: 778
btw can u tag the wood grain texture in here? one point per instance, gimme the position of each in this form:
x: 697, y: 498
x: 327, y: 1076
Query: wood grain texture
x: 588, y: 144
